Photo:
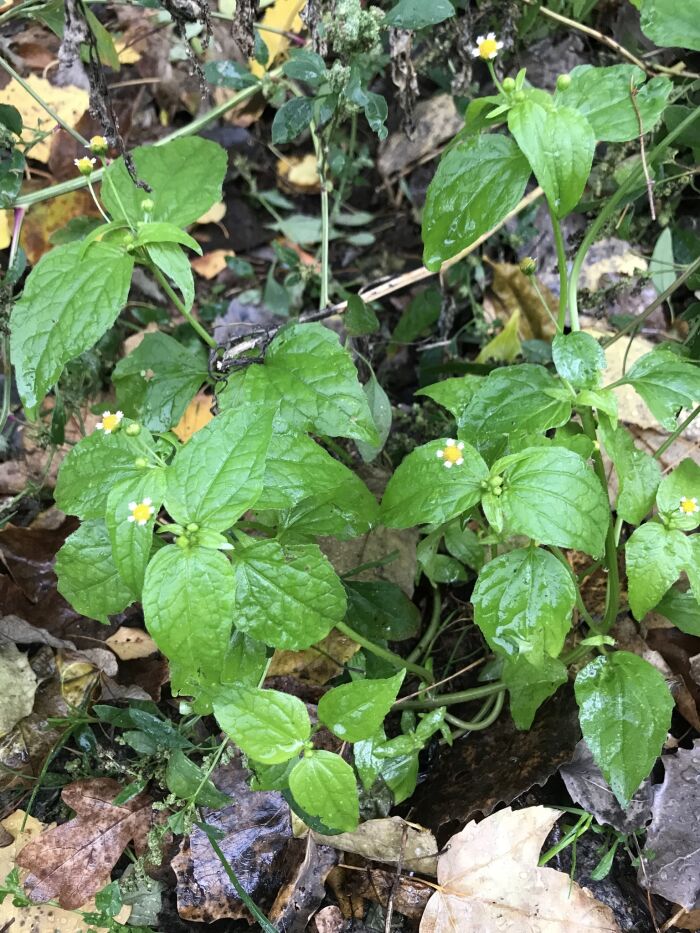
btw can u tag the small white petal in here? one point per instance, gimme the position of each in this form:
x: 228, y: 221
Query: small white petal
x: 475, y: 53
x: 132, y: 506
x: 131, y: 518
x: 147, y: 501
x: 450, y: 442
x: 440, y: 453
x: 460, y: 461
x: 119, y: 414
x: 491, y: 36
x: 492, y: 55
x: 499, y: 45
x: 106, y: 414
x: 107, y: 430
x: 100, y: 426
x: 143, y: 521
x: 480, y: 39
x: 448, y: 464
x: 460, y: 446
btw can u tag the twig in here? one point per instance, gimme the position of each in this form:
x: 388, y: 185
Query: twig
x: 642, y: 151
x: 439, y: 683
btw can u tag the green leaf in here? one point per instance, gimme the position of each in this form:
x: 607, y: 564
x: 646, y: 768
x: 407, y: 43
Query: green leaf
x: 380, y: 610
x: 229, y: 74
x: 356, y: 710
x: 421, y: 313
x: 559, y: 145
x: 106, y: 50
x: 324, y: 785
x: 603, y: 400
x: 346, y: 512
x: 92, y: 467
x: 603, y: 96
x: 477, y: 183
x: 380, y: 407
x: 11, y: 175
x: 171, y: 260
x: 185, y: 176
x: 579, y: 358
x: 661, y: 266
x: 291, y: 119
x: 219, y: 473
x: 529, y: 686
x: 655, y: 556
x: 681, y: 488
x: 11, y: 118
x: 311, y: 380
x: 550, y: 495
x: 669, y: 23
x: 625, y: 712
x: 68, y: 302
x: 682, y: 609
x: 454, y: 394
x: 523, y: 602
x: 666, y: 382
x: 187, y: 781
x: 288, y: 597
x: 305, y: 65
x: 87, y: 575
x: 423, y: 491
x: 638, y: 473
x: 131, y: 542
x: 269, y: 726
x: 464, y: 544
x: 188, y: 606
x: 522, y: 398
x: 417, y: 14
x: 399, y: 772
x: 156, y: 382
x: 148, y: 233
x: 360, y: 319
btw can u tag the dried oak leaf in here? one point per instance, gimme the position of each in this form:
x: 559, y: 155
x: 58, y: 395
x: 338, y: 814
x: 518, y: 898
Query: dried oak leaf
x: 490, y: 881
x: 72, y: 862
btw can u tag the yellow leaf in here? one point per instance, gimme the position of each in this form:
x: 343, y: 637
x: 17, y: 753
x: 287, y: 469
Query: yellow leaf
x: 215, y: 213
x: 127, y: 54
x: 197, y: 414
x: 300, y: 173
x: 505, y: 346
x: 69, y: 102
x: 512, y: 289
x: 284, y: 15
x: 211, y: 264
x: 5, y: 229
x: 129, y: 643
x: 318, y: 664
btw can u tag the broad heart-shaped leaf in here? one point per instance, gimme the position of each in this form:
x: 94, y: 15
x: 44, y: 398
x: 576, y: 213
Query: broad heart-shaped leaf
x: 454, y: 394
x: 345, y: 512
x: 356, y: 711
x: 523, y: 602
x: 291, y: 119
x: 87, y: 575
x: 638, y: 473
x: 219, y: 473
x: 185, y: 176
x: 131, y: 542
x: 381, y: 610
x: 603, y: 96
x: 682, y: 609
x: 324, y: 785
x: 417, y: 14
x: 312, y: 382
x: 157, y: 381
x: 669, y: 23
x: 625, y: 711
x: 423, y: 491
x: 552, y: 496
x: 269, y: 726
x: 655, y: 556
x: 681, y: 486
x: 529, y: 686
x: 667, y: 383
x: 171, y: 260
x: 523, y: 398
x: 67, y: 304
x: 579, y: 358
x: 287, y: 596
x: 559, y: 144
x: 93, y: 467
x: 476, y: 184
x: 188, y: 606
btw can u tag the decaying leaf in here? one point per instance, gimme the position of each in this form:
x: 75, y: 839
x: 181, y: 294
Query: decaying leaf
x: 390, y: 840
x: 282, y: 17
x: 129, y: 643
x: 197, y: 414
x: 299, y: 173
x: 49, y: 216
x: 211, y: 264
x: 306, y: 867
x: 18, y: 685
x: 490, y: 881
x: 436, y: 121
x: 672, y: 851
x: 73, y: 861
x: 410, y: 895
x: 317, y: 664
x: 69, y: 102
x: 511, y: 290
x: 215, y: 213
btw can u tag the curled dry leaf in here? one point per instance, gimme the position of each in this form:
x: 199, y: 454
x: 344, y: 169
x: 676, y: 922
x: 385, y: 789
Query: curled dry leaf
x: 69, y: 102
x: 211, y: 264
x: 129, y: 643
x: 490, y: 881
x: 73, y: 861
x: 389, y: 840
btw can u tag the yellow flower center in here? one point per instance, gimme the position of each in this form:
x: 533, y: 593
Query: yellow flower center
x: 689, y: 506
x: 110, y: 422
x: 488, y: 48
x: 452, y: 453
x: 142, y: 512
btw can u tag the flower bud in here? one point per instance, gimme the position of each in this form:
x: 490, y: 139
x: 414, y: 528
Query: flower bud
x: 99, y: 145
x: 140, y: 462
x: 147, y: 205
x: 508, y: 84
x: 84, y: 165
x: 528, y: 266
x: 519, y: 96
x: 193, y: 526
x: 182, y: 542
x: 563, y: 81
x: 133, y: 429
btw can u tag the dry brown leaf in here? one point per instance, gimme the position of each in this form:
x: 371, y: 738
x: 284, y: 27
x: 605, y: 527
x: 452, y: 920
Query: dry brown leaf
x: 18, y: 685
x: 72, y: 862
x: 211, y: 264
x: 197, y: 414
x: 436, y: 119
x: 511, y: 290
x: 284, y: 16
x: 46, y: 217
x: 490, y: 881
x: 318, y: 664
x: 129, y: 643
x: 299, y: 173
x: 215, y: 213
x: 390, y: 840
x: 69, y: 103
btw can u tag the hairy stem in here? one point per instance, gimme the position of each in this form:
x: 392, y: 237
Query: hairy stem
x: 679, y: 430
x: 191, y: 320
x: 563, y: 273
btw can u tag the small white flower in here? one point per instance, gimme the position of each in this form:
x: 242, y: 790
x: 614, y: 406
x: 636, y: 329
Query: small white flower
x: 141, y: 511
x: 688, y: 506
x: 451, y: 453
x: 110, y: 422
x: 487, y: 47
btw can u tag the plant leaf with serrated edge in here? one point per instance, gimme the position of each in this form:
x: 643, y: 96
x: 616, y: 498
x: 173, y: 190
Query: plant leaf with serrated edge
x: 356, y: 710
x: 269, y: 726
x: 579, y: 358
x: 666, y: 382
x: 131, y: 542
x: 655, y: 556
x: 638, y: 473
x: 324, y: 785
x: 529, y: 686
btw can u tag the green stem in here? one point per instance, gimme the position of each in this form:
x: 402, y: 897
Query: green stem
x: 612, y: 596
x: 196, y: 326
x: 557, y: 323
x: 486, y: 716
x: 324, y: 300
x: 563, y: 273
x: 628, y: 185
x: 580, y: 605
x: 489, y: 65
x: 431, y: 630
x: 394, y: 659
x: 265, y: 924
x: 679, y: 430
x: 462, y: 696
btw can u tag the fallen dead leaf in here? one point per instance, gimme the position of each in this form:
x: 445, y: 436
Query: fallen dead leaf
x: 18, y: 685
x: 80, y: 672
x: 69, y: 102
x: 305, y: 868
x: 299, y: 173
x: 129, y: 643
x: 410, y: 895
x: 490, y: 881
x: 215, y: 213
x: 283, y: 15
x: 127, y: 54
x: 318, y: 664
x: 390, y: 840
x: 211, y: 264
x: 437, y: 120
x: 511, y: 290
x: 46, y: 217
x: 73, y: 861
x: 197, y: 414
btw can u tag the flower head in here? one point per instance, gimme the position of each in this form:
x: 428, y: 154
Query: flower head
x: 688, y: 506
x: 98, y: 145
x: 141, y: 511
x: 84, y: 165
x: 451, y: 453
x: 487, y: 47
x: 110, y: 422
